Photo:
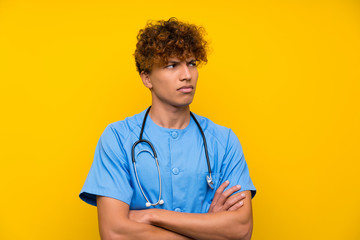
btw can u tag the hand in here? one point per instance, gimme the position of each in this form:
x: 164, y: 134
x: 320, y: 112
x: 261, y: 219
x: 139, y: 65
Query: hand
x: 222, y: 200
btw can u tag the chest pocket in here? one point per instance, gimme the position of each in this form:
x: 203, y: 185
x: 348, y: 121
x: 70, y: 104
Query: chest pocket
x: 201, y: 194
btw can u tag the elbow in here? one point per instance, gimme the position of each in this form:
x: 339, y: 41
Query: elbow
x: 246, y: 233
x: 112, y: 235
x: 242, y: 232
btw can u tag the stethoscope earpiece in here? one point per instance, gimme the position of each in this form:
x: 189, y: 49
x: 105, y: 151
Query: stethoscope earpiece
x: 148, y: 204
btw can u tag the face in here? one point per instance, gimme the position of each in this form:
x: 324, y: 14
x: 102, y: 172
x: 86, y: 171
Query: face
x: 174, y: 83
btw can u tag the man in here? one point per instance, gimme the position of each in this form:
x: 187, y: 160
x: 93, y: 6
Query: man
x: 170, y: 197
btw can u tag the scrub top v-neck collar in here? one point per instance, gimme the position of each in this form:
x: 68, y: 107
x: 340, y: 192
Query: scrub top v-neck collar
x: 153, y: 130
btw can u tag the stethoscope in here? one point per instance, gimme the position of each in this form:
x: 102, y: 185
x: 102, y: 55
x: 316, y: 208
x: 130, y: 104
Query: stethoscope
x: 154, y: 155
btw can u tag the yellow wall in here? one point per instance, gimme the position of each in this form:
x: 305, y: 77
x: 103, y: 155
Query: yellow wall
x: 284, y: 75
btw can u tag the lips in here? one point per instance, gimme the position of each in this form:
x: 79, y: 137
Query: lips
x: 186, y: 89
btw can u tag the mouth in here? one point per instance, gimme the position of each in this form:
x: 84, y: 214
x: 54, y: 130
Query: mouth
x: 186, y: 89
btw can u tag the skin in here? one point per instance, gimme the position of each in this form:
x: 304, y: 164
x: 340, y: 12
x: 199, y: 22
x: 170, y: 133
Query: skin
x: 230, y: 214
x: 170, y: 105
x: 236, y: 224
x: 226, y: 219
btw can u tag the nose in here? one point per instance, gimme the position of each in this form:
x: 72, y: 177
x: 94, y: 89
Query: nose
x: 185, y: 74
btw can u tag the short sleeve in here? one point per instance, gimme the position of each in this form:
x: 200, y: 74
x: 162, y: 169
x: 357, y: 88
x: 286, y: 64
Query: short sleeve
x: 109, y: 173
x: 234, y: 167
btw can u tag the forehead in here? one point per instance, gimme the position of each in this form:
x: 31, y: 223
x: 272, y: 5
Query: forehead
x: 162, y: 61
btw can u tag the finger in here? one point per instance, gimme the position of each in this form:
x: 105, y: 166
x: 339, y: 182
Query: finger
x: 233, y: 200
x: 219, y: 191
x: 236, y: 206
x: 223, y: 197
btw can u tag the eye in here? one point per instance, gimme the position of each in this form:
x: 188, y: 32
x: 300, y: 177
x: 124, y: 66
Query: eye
x: 172, y: 65
x: 192, y: 64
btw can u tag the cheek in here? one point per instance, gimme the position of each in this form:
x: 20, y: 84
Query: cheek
x: 195, y: 76
x: 195, y: 73
x: 163, y: 86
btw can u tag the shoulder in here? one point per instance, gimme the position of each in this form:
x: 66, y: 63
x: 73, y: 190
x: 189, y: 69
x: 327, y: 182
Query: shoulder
x: 220, y: 133
x: 122, y: 129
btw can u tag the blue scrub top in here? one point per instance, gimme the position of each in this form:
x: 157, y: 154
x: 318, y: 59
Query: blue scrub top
x: 182, y: 164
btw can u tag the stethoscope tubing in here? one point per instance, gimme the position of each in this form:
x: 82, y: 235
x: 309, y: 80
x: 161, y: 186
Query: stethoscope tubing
x: 148, y: 203
x: 208, y: 178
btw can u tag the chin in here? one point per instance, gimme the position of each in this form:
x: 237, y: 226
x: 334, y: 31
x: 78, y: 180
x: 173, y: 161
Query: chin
x: 184, y: 104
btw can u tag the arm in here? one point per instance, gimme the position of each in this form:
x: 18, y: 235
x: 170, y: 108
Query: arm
x: 114, y: 223
x: 231, y: 224
x: 226, y: 224
x: 223, y: 201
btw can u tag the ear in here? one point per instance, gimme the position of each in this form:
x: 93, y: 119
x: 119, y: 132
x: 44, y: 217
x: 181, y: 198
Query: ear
x: 145, y: 77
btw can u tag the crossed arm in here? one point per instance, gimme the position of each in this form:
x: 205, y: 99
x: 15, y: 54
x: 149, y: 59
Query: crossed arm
x: 228, y: 218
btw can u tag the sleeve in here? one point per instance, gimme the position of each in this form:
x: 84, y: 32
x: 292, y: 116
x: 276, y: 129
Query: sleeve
x: 109, y: 174
x: 234, y: 166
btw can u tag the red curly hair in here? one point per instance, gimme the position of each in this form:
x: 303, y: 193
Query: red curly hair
x: 172, y: 38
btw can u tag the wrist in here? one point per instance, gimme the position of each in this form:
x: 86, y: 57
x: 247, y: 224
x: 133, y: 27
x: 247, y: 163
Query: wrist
x: 153, y: 216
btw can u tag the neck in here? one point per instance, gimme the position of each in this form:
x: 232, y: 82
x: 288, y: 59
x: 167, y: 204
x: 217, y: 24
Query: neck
x: 170, y: 117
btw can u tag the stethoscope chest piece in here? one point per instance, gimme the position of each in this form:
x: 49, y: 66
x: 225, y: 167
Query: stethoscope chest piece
x: 210, y: 181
